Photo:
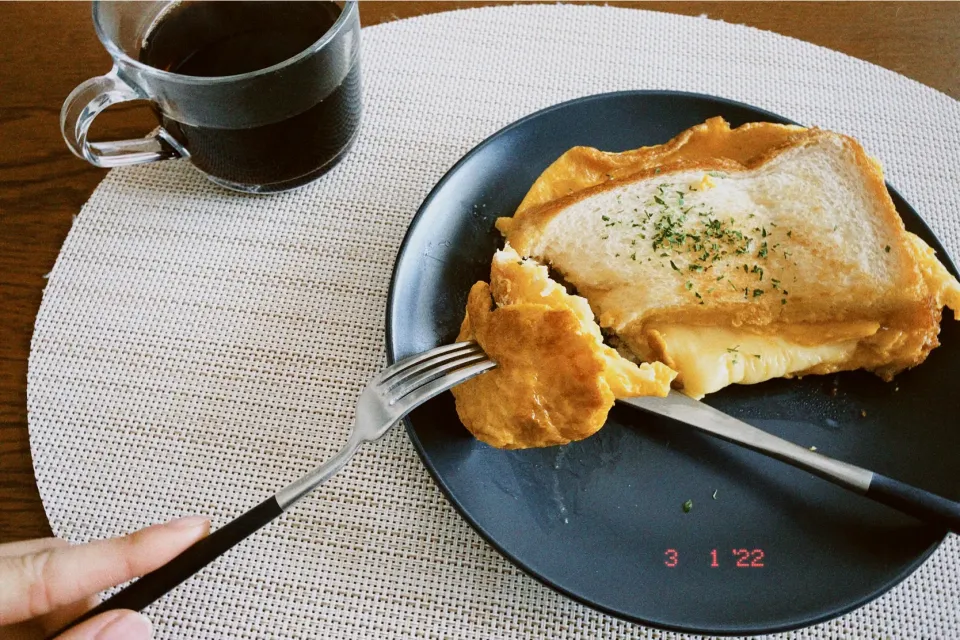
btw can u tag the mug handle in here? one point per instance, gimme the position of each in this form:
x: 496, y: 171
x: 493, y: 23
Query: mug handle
x: 84, y: 104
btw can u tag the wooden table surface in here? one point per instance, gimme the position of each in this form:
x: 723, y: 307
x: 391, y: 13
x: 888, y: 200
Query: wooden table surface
x: 46, y: 49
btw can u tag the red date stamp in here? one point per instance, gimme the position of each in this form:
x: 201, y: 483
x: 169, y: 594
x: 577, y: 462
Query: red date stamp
x: 741, y: 558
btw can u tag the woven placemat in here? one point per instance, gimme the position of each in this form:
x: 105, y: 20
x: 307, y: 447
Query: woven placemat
x: 197, y: 349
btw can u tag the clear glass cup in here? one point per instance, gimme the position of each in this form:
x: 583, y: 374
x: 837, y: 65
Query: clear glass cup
x: 263, y: 131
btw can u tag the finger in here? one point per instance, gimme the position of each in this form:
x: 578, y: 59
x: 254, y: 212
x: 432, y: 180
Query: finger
x: 42, y: 627
x: 37, y: 583
x: 119, y: 624
x: 30, y: 546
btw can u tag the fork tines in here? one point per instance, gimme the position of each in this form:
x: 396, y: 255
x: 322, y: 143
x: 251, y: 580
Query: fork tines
x: 412, y: 373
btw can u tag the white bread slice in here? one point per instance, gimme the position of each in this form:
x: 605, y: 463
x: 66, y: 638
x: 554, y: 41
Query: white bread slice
x: 798, y: 247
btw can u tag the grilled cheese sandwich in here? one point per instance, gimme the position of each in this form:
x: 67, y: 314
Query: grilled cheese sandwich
x: 733, y: 256
x: 773, y: 238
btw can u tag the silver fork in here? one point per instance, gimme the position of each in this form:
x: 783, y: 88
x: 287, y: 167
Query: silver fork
x: 390, y: 396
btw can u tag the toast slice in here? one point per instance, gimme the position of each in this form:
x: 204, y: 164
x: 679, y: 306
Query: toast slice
x: 740, y: 255
x: 556, y: 380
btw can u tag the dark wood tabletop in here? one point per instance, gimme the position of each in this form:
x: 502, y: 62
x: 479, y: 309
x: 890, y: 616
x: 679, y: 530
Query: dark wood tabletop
x: 46, y: 49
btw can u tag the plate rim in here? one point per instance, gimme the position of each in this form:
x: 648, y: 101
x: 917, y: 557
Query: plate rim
x: 390, y: 349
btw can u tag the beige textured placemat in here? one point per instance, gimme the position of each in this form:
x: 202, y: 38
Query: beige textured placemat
x: 198, y: 349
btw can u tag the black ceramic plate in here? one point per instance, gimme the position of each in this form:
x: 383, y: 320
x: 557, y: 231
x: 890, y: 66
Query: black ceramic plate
x: 601, y: 520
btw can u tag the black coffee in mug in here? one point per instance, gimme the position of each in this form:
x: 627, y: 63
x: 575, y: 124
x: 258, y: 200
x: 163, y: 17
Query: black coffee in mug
x: 259, y: 96
x: 217, y: 39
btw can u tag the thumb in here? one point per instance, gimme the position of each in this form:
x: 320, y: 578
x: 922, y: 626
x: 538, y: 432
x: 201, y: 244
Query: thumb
x: 118, y: 624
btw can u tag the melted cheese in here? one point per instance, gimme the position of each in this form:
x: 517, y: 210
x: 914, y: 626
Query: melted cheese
x: 710, y: 358
x: 944, y: 286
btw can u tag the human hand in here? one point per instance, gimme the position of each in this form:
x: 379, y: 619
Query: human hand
x: 46, y: 583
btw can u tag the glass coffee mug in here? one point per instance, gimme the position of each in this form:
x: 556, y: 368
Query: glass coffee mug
x: 259, y: 96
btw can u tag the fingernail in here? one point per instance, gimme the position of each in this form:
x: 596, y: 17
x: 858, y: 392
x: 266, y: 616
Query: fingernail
x: 191, y: 522
x: 128, y: 626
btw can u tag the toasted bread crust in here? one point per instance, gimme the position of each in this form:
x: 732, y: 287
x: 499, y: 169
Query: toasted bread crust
x: 584, y: 167
x: 548, y: 388
x: 555, y: 380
